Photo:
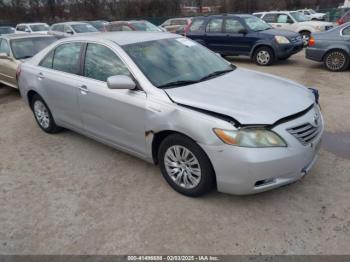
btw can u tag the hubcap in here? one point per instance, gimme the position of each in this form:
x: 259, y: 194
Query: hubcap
x: 41, y: 114
x: 335, y: 60
x: 263, y: 57
x: 182, y: 167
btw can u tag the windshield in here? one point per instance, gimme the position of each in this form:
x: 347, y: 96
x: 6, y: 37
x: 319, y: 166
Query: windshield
x: 83, y: 28
x: 312, y: 11
x: 179, y: 61
x: 145, y: 26
x: 299, y: 17
x: 27, y: 47
x: 256, y: 24
x: 99, y: 25
x: 41, y: 27
x: 6, y: 30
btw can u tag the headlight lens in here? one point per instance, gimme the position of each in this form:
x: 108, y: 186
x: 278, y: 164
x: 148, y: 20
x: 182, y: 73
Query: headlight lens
x: 250, y: 137
x: 282, y: 39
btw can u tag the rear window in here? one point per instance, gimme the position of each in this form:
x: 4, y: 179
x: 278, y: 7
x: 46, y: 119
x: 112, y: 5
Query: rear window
x: 197, y: 25
x: 41, y: 27
x: 6, y: 30
x: 27, y: 47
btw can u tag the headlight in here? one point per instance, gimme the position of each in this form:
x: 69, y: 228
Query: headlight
x: 282, y: 39
x: 250, y: 137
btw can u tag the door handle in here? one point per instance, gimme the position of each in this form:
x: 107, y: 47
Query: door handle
x: 41, y: 76
x: 83, y: 89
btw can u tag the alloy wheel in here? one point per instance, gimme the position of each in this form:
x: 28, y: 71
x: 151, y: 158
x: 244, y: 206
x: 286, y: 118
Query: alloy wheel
x: 182, y: 166
x: 336, y: 61
x: 41, y: 114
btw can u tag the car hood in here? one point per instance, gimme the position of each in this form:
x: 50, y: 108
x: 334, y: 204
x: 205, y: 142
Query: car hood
x: 280, y: 32
x: 251, y: 98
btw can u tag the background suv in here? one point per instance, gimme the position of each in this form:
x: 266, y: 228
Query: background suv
x: 244, y: 35
x: 294, y: 21
x: 62, y: 30
x: 32, y: 28
x: 313, y: 15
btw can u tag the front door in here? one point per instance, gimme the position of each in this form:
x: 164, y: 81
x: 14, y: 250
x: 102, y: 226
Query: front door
x: 116, y: 116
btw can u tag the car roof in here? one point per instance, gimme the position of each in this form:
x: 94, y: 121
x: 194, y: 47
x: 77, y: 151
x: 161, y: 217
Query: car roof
x: 71, y: 23
x: 123, y: 37
x: 224, y: 15
x: 24, y: 35
x: 32, y: 24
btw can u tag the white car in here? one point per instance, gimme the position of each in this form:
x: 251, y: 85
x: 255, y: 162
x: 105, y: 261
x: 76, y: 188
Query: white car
x: 42, y: 28
x: 313, y: 15
x: 294, y: 21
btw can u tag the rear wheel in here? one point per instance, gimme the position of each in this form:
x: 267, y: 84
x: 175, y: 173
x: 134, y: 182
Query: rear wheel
x: 264, y: 56
x: 336, y: 60
x: 43, y: 115
x: 185, y: 166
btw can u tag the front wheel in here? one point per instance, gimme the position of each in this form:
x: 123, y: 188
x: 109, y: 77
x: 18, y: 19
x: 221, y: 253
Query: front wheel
x: 43, y: 115
x: 263, y: 56
x: 305, y: 35
x: 185, y: 166
x: 336, y: 60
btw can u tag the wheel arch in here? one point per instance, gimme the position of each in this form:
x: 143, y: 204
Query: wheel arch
x: 337, y: 48
x: 30, y: 94
x: 259, y: 45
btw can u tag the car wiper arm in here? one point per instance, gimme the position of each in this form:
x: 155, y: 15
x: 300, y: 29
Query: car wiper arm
x: 216, y: 73
x: 178, y: 83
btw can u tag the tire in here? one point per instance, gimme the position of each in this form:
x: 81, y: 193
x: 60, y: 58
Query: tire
x: 305, y: 35
x: 191, y: 180
x: 264, y: 56
x: 336, y: 60
x: 43, y: 116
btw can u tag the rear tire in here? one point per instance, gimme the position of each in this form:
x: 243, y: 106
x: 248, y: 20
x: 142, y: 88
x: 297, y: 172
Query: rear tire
x: 185, y: 166
x: 43, y: 116
x: 264, y: 56
x: 336, y: 60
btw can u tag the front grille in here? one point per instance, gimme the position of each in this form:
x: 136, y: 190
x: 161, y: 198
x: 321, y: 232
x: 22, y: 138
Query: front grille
x: 328, y: 27
x: 305, y: 133
x: 296, y: 39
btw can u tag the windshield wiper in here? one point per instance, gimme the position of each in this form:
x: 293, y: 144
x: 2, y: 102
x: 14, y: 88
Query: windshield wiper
x: 216, y: 73
x: 178, y: 83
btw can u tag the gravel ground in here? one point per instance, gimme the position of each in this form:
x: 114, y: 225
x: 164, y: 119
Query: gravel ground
x: 67, y: 194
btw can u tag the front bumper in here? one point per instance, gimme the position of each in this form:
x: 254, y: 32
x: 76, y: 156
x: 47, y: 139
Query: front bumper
x: 243, y: 171
x: 286, y: 50
x: 315, y: 54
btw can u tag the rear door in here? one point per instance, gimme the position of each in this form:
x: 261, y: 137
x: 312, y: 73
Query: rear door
x: 8, y: 65
x: 115, y: 116
x: 215, y: 37
x: 59, y: 79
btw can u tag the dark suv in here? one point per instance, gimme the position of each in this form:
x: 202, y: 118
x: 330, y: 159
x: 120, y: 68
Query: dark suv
x: 244, y: 35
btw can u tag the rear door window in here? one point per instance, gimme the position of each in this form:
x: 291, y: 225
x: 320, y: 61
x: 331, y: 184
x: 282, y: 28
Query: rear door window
x: 215, y: 25
x: 67, y: 58
x: 346, y: 31
x: 4, y: 47
x: 270, y: 18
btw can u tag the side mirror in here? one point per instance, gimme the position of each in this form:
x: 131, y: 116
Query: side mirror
x: 243, y: 31
x: 27, y: 30
x: 70, y: 32
x: 5, y: 56
x: 120, y: 82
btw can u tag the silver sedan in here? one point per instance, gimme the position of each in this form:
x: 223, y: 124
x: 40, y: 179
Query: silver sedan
x: 172, y: 102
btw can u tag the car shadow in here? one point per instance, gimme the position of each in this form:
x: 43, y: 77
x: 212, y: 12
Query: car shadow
x: 8, y: 94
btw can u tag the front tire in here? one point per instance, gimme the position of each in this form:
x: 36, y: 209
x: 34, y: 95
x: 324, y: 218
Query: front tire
x: 43, y: 116
x: 305, y: 35
x: 185, y: 166
x: 264, y: 56
x: 336, y: 60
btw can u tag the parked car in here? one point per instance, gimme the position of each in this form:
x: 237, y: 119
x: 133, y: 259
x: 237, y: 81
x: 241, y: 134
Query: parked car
x: 17, y: 48
x: 313, y: 15
x: 174, y: 24
x: 100, y: 25
x: 245, y: 35
x: 5, y: 30
x: 67, y: 29
x: 32, y: 28
x: 295, y: 21
x: 173, y: 102
x: 344, y: 19
x: 135, y: 25
x: 332, y: 48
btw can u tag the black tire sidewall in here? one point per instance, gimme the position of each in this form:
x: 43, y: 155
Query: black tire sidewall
x: 53, y: 128
x: 267, y: 49
x: 346, y: 64
x: 207, y: 173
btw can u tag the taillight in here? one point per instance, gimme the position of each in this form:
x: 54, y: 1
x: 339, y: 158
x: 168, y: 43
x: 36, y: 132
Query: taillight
x: 18, y: 71
x: 312, y: 41
x: 340, y: 21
